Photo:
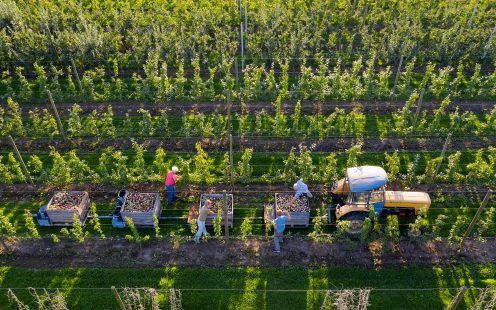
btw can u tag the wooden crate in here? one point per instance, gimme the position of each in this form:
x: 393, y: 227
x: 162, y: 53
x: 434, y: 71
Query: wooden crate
x: 143, y: 219
x: 230, y: 211
x: 298, y: 219
x: 66, y: 217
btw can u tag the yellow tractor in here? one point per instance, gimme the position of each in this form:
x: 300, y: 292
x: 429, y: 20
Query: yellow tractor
x: 363, y: 190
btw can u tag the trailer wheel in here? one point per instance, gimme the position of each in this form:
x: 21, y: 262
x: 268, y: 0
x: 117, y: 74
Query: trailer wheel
x: 356, y: 228
x: 356, y: 223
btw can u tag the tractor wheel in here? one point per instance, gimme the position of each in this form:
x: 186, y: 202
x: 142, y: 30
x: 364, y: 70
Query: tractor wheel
x: 356, y: 223
x: 355, y: 229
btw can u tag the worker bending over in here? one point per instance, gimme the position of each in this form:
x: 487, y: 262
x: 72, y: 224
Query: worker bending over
x: 301, y: 190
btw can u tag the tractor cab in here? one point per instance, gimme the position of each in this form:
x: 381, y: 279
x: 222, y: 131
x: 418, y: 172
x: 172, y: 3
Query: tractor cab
x: 365, y: 189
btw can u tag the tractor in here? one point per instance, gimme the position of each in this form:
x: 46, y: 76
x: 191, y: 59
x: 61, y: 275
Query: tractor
x: 363, y: 190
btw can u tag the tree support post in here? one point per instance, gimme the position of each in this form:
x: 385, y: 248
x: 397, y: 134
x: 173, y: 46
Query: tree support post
x: 23, y: 165
x: 226, y: 212
x: 476, y: 218
x: 231, y: 162
x: 74, y: 70
x: 438, y: 166
x: 398, y: 71
x: 414, y: 125
x: 56, y: 113
x: 456, y: 301
x: 118, y: 297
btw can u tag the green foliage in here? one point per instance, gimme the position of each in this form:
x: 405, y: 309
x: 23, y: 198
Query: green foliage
x: 13, y: 121
x: 366, y: 227
x: 438, y: 226
x: 76, y: 232
x: 157, y: 226
x: 138, y: 172
x: 30, y: 226
x: 44, y: 124
x: 6, y: 228
x: 479, y: 170
x: 74, y: 124
x: 430, y: 169
x: 246, y: 228
x: 95, y: 221
x: 145, y: 125
x: 217, y: 223
x: 79, y: 170
x: 330, y: 171
x: 305, y: 163
x: 392, y: 165
x: 60, y: 173
x: 203, y: 166
x: 353, y: 153
x: 159, y: 167
x: 135, y: 236
x: 244, y: 170
x: 318, y: 224
x: 193, y: 226
x: 392, y: 228
x: 418, y: 228
x: 343, y: 229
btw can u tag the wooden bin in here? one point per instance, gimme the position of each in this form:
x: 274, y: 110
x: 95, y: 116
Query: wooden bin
x: 143, y: 219
x: 298, y: 219
x: 66, y: 217
x: 230, y: 211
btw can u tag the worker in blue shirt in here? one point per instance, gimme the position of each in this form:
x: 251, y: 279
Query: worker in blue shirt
x: 301, y: 190
x: 279, y: 225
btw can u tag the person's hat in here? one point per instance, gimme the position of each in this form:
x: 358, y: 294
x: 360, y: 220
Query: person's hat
x: 175, y: 169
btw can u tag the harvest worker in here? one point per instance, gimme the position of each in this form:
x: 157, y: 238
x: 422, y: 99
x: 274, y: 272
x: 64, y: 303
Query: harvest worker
x: 279, y: 226
x: 170, y: 181
x: 202, y: 217
x: 301, y: 190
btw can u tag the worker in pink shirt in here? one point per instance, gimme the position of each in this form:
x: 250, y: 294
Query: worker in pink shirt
x: 170, y: 182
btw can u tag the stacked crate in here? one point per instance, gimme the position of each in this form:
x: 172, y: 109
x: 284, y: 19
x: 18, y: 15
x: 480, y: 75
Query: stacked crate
x: 143, y: 219
x: 220, y: 198
x: 298, y: 218
x: 65, y: 217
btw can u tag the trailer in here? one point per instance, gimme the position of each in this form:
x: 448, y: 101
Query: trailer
x: 142, y: 213
x: 299, y: 210
x: 218, y: 204
x: 62, y: 207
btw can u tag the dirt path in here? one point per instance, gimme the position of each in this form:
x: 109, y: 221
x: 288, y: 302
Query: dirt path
x: 176, y: 108
x: 296, y: 251
x: 24, y: 192
x: 259, y: 144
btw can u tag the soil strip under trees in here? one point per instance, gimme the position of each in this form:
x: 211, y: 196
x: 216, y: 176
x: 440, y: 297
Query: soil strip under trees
x: 258, y: 143
x: 296, y: 251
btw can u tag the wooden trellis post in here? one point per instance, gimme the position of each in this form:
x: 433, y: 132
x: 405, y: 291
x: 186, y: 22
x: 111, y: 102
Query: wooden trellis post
x: 77, y: 79
x: 231, y: 162
x: 476, y: 218
x: 458, y: 298
x: 438, y: 166
x: 489, y: 41
x: 398, y: 72
x: 419, y: 104
x: 228, y: 102
x: 56, y: 113
x: 226, y: 212
x: 19, y: 157
x: 118, y: 297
